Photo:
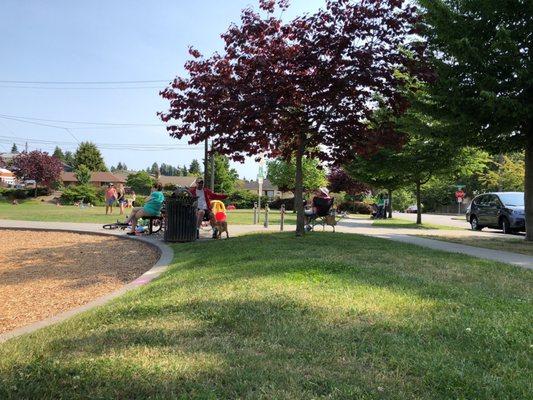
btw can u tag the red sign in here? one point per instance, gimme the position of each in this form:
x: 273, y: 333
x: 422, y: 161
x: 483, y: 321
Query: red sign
x: 459, y: 194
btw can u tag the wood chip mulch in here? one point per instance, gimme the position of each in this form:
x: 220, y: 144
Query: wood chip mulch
x: 45, y: 273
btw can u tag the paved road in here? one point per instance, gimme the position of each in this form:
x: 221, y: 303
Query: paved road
x: 457, y: 221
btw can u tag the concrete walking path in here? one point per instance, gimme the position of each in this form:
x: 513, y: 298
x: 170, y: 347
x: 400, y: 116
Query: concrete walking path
x: 353, y: 226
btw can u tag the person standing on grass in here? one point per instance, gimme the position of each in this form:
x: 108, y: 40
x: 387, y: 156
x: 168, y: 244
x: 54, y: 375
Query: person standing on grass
x: 110, y: 198
x: 121, y: 198
x: 204, y: 205
x: 152, y: 207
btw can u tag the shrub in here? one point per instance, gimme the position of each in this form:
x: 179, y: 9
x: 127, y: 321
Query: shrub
x: 357, y: 207
x: 244, y: 199
x: 289, y: 204
x: 87, y: 193
x: 21, y: 194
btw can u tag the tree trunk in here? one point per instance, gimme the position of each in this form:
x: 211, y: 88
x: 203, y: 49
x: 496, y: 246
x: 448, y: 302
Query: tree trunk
x: 389, y: 191
x: 528, y: 187
x: 418, y: 204
x: 298, y: 188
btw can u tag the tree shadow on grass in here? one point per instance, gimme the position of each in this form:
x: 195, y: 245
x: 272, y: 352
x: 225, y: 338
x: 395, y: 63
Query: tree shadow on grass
x: 251, y: 349
x: 183, y: 336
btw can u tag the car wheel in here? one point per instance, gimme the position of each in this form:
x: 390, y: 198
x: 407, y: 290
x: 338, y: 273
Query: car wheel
x: 474, y: 223
x: 506, y: 227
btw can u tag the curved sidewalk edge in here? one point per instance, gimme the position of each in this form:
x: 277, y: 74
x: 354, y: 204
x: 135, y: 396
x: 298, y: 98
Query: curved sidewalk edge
x: 165, y: 258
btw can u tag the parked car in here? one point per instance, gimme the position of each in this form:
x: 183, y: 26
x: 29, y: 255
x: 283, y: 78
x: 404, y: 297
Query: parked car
x: 500, y: 210
x: 411, y: 209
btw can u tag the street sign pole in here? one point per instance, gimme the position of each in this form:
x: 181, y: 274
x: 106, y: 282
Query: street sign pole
x: 260, y: 177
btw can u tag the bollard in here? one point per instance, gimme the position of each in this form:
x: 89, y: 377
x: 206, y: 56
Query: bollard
x: 265, y: 224
x: 282, y: 217
x: 255, y: 213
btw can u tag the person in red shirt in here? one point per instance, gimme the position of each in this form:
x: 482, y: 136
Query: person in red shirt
x: 205, y: 196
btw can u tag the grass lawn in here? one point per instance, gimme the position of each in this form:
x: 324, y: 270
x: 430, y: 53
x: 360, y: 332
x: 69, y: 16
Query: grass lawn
x: 32, y: 210
x: 271, y: 316
x: 514, y: 245
x: 403, y: 223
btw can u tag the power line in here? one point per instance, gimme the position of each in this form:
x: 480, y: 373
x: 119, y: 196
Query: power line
x: 80, y: 88
x: 30, y: 119
x: 84, y: 82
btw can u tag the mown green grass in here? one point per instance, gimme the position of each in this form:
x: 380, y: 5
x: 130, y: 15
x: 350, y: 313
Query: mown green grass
x: 331, y: 316
x: 514, y: 245
x: 406, y: 224
x: 32, y: 210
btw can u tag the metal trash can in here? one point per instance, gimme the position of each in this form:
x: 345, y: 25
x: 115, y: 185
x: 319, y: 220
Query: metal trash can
x: 180, y: 217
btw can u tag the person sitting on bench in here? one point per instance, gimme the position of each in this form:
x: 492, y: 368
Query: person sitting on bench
x: 151, y: 208
x: 320, y: 206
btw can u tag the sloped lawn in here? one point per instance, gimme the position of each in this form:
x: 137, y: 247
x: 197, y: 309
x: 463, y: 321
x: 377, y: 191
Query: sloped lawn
x: 275, y: 317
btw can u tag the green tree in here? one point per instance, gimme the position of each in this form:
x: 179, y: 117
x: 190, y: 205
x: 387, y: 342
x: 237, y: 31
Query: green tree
x: 14, y: 149
x: 194, y: 168
x: 282, y: 174
x: 184, y: 171
x: 58, y: 153
x: 225, y: 177
x: 141, y: 182
x: 154, y: 170
x: 482, y: 57
x: 69, y: 158
x: 507, y: 173
x: 83, y: 174
x: 88, y: 154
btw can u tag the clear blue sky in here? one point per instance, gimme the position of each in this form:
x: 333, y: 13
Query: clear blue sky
x: 106, y: 40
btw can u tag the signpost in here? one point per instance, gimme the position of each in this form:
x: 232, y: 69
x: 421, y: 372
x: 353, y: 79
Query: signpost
x: 260, y: 178
x: 459, y: 195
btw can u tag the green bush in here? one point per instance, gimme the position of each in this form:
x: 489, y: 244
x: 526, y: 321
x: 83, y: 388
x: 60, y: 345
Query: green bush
x: 244, y: 199
x: 87, y: 193
x: 402, y: 198
x: 289, y: 204
x: 21, y: 194
x: 357, y: 207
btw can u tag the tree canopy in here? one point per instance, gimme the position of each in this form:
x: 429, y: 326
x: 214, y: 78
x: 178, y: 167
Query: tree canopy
x: 296, y: 88
x: 225, y: 177
x: 141, y: 182
x: 38, y: 166
x: 83, y: 174
x: 89, y: 155
x: 282, y: 174
x: 481, y: 51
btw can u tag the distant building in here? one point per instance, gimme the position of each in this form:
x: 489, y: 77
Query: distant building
x: 98, y: 179
x: 7, y: 178
x: 268, y: 188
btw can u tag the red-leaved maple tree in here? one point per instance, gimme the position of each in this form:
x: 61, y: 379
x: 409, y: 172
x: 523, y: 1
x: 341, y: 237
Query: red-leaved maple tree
x: 44, y: 169
x: 304, y: 87
x: 340, y: 181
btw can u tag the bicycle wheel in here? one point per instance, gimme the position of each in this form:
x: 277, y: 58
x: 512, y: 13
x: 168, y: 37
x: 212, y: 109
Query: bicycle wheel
x: 110, y: 226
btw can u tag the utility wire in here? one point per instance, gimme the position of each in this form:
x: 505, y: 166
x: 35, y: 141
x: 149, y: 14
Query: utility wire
x: 80, y: 88
x: 84, y: 82
x: 30, y: 119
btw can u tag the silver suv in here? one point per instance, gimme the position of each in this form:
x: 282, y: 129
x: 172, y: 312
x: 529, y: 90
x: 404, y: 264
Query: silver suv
x: 500, y: 210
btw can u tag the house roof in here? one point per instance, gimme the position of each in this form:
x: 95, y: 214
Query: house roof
x: 254, y: 185
x: 6, y: 172
x: 184, y: 181
x: 95, y: 177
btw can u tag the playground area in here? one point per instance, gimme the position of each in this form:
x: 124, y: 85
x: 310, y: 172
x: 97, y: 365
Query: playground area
x: 45, y: 273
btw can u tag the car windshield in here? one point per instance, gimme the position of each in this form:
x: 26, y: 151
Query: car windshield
x: 512, y: 199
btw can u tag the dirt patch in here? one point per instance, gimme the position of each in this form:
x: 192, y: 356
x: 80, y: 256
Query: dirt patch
x: 45, y: 273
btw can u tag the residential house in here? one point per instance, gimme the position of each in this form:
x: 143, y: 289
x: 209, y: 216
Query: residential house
x: 7, y: 178
x: 98, y: 179
x: 268, y: 188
